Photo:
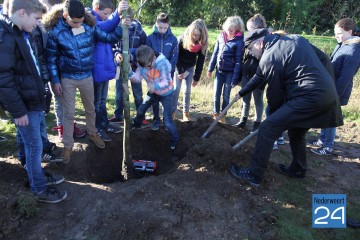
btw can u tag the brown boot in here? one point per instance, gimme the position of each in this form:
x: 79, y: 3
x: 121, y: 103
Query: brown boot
x: 186, y: 117
x: 95, y: 138
x: 65, y: 155
x: 222, y: 120
x: 215, y: 115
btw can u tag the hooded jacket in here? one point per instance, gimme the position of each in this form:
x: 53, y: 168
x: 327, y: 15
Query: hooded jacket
x: 73, y: 54
x: 104, y: 65
x: 165, y: 44
x: 346, y: 62
x: 227, y: 55
x: 21, y: 88
x: 158, y: 78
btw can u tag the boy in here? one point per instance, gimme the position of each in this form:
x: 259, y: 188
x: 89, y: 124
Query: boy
x: 163, y: 41
x: 156, y: 70
x: 22, y: 92
x: 104, y: 66
x: 70, y: 47
x: 137, y: 37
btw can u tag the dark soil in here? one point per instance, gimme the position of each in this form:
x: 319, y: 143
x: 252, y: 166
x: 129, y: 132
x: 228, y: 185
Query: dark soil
x: 190, y: 196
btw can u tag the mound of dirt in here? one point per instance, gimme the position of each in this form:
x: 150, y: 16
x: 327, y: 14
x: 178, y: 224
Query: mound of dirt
x: 190, y: 196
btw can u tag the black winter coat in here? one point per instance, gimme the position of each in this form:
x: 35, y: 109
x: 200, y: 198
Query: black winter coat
x: 21, y: 88
x: 299, y: 85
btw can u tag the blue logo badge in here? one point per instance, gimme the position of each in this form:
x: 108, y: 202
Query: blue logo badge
x: 329, y: 210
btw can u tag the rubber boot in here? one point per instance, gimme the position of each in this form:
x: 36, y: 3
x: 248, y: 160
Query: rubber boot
x: 242, y: 123
x: 60, y: 130
x: 186, y: 117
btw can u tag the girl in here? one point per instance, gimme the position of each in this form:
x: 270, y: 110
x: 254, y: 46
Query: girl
x: 192, y: 48
x: 346, y: 62
x: 227, y: 56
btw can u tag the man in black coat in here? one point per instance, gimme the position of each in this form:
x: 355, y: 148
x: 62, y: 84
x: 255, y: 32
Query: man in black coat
x: 301, y: 95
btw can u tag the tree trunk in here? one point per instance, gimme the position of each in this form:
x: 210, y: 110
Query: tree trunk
x: 127, y: 164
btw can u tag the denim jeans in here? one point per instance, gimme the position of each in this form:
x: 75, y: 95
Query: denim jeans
x: 327, y: 137
x: 100, y: 96
x: 186, y: 92
x: 222, y: 79
x: 137, y: 93
x: 258, y: 99
x: 20, y: 141
x: 166, y: 101
x: 31, y: 136
x: 271, y: 129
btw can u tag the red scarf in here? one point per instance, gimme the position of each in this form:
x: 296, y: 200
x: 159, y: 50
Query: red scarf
x: 195, y: 48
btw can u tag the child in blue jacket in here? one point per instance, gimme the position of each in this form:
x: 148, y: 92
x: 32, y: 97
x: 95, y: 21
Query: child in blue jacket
x: 104, y: 67
x: 227, y: 57
x: 163, y: 41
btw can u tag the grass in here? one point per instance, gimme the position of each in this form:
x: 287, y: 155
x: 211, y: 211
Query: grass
x: 292, y: 198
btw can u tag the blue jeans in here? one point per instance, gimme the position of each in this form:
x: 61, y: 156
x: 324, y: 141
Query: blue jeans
x: 186, y: 92
x: 31, y: 136
x: 327, y: 136
x: 166, y: 101
x: 137, y: 93
x: 258, y: 99
x: 20, y: 141
x: 100, y: 96
x: 222, y: 79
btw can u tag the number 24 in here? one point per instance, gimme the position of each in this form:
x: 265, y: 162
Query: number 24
x: 317, y: 220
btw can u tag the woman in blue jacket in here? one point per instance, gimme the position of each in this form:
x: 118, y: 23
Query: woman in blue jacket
x: 346, y: 62
x: 227, y: 57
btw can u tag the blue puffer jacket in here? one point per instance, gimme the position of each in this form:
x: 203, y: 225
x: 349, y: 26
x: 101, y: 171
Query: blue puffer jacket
x: 166, y: 44
x: 104, y: 66
x: 73, y: 54
x: 346, y: 62
x: 228, y: 55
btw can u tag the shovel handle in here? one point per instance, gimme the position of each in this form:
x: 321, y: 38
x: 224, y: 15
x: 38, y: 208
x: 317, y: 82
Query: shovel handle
x: 247, y: 138
x: 220, y: 116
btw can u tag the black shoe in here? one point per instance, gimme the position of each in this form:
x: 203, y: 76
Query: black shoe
x: 50, y: 157
x: 242, y: 123
x: 50, y: 147
x: 256, y: 126
x: 51, y: 195
x: 244, y: 173
x: 53, y: 179
x: 289, y: 172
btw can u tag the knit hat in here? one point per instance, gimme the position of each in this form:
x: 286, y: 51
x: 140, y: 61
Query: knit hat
x: 254, y: 35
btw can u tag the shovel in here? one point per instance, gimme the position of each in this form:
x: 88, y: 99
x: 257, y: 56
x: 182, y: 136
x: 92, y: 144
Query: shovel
x: 247, y: 138
x: 237, y: 97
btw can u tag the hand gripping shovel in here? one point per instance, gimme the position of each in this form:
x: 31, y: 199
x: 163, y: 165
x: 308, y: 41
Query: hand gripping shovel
x: 247, y: 138
x: 237, y: 97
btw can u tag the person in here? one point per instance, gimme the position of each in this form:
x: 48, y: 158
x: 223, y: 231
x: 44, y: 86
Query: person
x: 156, y: 70
x: 137, y: 37
x: 36, y: 39
x: 193, y: 45
x: 58, y: 109
x: 227, y: 57
x: 70, y: 47
x: 301, y: 95
x: 163, y: 41
x: 22, y: 92
x: 346, y: 62
x: 104, y: 67
x: 249, y: 67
